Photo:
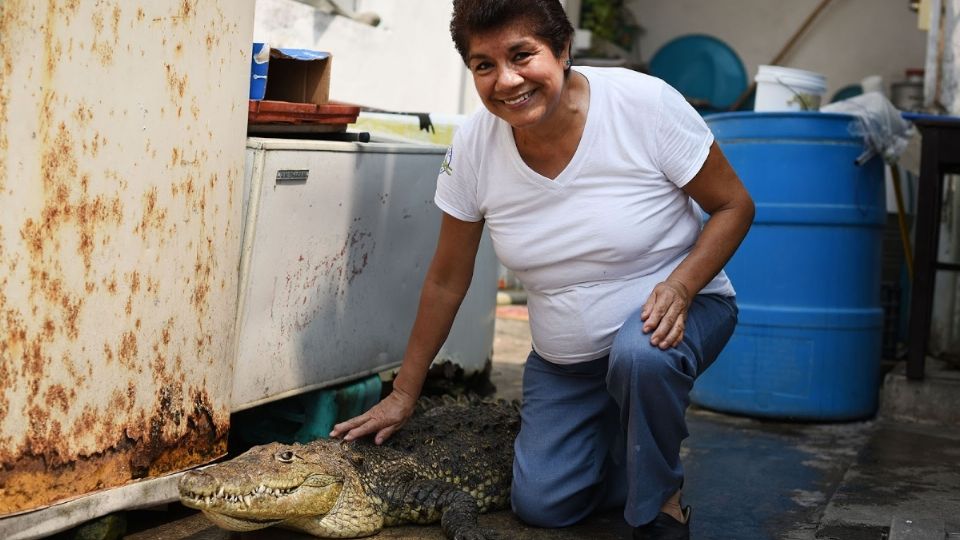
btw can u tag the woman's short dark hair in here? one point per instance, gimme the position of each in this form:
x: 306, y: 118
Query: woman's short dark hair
x: 546, y: 19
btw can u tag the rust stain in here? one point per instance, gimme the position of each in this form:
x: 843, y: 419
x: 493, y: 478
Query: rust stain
x: 48, y: 329
x: 135, y: 454
x: 120, y: 400
x: 202, y: 203
x: 176, y: 83
x: 201, y: 288
x: 154, y: 217
x: 127, y: 352
x: 60, y: 169
x: 9, y: 18
x: 83, y: 114
x: 153, y: 286
x: 58, y: 398
x: 116, y: 23
x: 50, y: 60
x: 71, y: 6
x: 71, y: 310
x: 39, y: 421
x: 33, y: 365
x: 165, y: 335
x: 6, y: 375
x: 97, y: 19
x: 93, y: 147
x: 100, y: 46
x: 186, y: 9
x: 186, y: 188
x: 12, y: 347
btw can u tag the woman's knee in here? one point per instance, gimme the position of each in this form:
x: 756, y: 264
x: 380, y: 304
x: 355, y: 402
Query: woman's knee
x: 543, y: 506
x: 633, y: 357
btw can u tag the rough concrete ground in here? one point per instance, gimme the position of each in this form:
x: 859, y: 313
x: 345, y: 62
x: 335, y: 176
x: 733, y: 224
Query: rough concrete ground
x: 747, y: 479
x: 904, y: 472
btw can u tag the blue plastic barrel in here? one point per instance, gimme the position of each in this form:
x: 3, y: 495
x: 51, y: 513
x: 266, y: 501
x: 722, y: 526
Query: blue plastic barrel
x: 807, y: 276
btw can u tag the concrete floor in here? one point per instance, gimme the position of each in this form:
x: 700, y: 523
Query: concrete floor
x: 747, y: 479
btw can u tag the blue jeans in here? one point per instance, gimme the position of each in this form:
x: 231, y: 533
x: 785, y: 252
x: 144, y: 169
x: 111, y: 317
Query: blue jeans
x: 606, y: 433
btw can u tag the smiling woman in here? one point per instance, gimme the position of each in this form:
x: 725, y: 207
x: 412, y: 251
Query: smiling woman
x: 590, y: 181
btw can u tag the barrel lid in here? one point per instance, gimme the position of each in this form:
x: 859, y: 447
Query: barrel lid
x: 784, y: 124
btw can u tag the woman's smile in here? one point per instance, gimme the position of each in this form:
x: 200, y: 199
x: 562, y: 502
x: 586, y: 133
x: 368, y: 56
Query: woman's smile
x: 520, y: 99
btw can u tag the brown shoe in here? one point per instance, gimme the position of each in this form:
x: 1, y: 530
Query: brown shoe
x: 665, y: 527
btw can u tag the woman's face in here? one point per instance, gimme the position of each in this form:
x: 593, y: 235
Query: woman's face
x: 516, y: 74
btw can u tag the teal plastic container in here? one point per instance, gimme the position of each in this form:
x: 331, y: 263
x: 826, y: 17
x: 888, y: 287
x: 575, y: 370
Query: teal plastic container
x: 807, y: 276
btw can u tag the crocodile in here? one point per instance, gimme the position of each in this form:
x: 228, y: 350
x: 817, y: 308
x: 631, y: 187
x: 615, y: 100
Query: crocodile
x: 449, y: 463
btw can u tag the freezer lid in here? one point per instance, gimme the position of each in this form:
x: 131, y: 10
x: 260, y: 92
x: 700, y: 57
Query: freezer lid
x: 268, y: 143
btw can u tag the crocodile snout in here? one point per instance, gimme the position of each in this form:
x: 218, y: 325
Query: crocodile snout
x: 198, y: 483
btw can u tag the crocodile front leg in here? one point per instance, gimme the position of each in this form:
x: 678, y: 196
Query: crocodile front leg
x: 426, y: 500
x: 459, y: 519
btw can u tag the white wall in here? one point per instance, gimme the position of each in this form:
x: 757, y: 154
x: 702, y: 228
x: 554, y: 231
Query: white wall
x: 407, y: 63
x: 848, y: 41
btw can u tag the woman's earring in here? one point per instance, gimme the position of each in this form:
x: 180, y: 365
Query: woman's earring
x: 567, y: 63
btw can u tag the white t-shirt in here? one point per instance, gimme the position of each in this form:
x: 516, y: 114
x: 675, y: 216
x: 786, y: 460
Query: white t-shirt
x: 589, y: 245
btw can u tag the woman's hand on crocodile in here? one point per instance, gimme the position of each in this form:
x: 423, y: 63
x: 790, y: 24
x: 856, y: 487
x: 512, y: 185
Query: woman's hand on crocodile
x: 384, y: 419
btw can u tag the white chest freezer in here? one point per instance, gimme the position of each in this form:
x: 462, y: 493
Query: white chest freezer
x: 337, y: 240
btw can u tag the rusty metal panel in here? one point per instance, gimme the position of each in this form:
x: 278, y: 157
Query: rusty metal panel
x: 337, y: 242
x: 121, y: 161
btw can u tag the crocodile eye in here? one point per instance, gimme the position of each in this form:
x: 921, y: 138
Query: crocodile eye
x: 286, y: 456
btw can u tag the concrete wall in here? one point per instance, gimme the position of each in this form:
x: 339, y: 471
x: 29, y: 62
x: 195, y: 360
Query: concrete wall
x: 850, y: 40
x: 407, y: 63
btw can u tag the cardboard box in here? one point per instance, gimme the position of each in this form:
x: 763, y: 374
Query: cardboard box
x: 294, y: 75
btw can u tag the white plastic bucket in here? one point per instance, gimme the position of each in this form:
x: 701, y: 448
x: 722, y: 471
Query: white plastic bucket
x: 788, y: 89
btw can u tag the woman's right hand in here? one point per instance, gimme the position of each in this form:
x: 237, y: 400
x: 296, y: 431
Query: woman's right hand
x: 384, y: 418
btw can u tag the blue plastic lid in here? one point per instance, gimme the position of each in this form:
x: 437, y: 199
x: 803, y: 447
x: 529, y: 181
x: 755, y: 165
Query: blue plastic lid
x: 703, y: 69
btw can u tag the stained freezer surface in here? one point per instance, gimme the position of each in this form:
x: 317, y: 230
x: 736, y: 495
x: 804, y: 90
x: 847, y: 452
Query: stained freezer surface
x: 336, y: 244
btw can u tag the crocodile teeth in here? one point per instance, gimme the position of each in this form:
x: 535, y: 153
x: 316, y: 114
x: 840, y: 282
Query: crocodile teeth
x: 247, y: 500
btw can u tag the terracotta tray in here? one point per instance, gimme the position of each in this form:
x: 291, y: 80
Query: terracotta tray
x: 285, y: 112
